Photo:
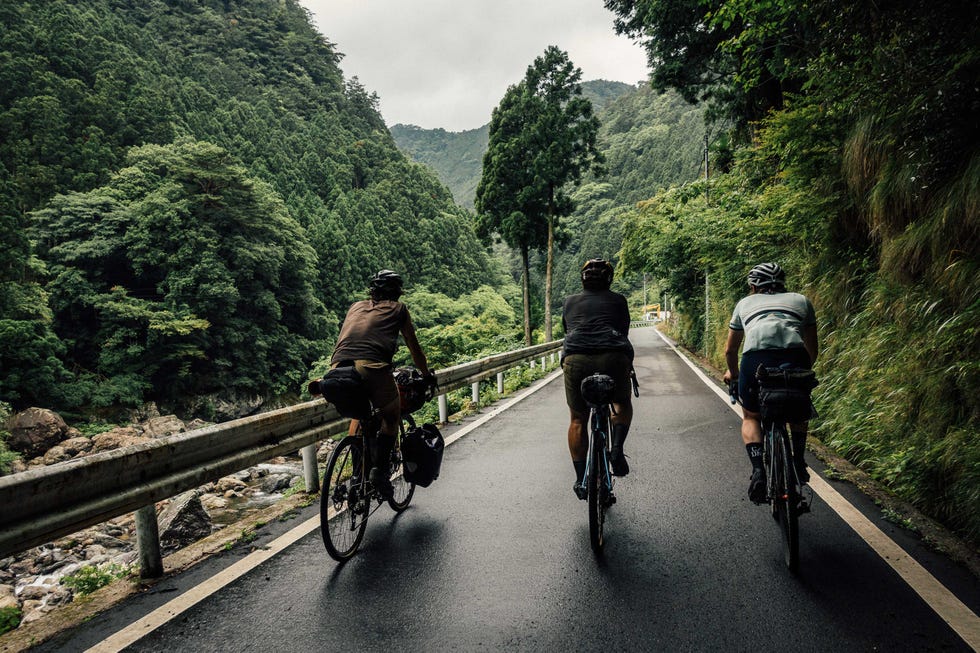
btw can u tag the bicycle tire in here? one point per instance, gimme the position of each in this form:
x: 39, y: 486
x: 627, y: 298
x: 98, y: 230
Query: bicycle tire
x: 402, y: 496
x: 344, y: 503
x: 788, y: 502
x: 595, y: 484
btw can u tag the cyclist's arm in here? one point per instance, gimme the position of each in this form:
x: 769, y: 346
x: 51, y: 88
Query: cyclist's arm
x: 731, y: 353
x: 412, y: 342
x: 810, y: 342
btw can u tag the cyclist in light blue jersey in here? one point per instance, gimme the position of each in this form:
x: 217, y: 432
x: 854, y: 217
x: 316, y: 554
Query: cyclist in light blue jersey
x: 777, y: 327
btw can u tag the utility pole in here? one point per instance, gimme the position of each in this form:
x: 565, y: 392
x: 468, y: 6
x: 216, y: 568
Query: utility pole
x: 706, y: 173
x: 707, y: 315
x: 645, y: 293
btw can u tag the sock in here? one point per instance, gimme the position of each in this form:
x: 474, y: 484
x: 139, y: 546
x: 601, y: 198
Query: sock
x: 579, y: 469
x: 754, y: 449
x: 619, y: 435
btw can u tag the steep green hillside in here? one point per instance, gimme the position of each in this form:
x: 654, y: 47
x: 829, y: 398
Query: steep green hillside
x: 205, y: 194
x: 457, y: 157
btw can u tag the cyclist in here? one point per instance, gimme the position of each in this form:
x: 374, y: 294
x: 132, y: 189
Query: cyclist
x: 368, y: 340
x: 596, y: 323
x: 778, y: 327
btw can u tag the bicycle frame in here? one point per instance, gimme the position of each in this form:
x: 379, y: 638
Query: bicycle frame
x: 599, y: 420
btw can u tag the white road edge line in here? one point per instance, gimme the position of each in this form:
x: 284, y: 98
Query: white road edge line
x: 950, y: 609
x: 144, y: 626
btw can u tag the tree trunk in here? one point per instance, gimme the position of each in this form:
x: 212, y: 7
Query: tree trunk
x: 525, y: 259
x: 547, y: 276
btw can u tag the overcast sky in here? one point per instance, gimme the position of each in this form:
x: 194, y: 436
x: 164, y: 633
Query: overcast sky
x: 447, y: 63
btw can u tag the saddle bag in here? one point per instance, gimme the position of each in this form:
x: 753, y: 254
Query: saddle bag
x: 422, y: 449
x: 345, y: 389
x: 784, y: 393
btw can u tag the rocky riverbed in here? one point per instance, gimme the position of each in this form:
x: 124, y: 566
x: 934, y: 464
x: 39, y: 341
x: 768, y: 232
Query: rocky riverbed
x: 39, y: 580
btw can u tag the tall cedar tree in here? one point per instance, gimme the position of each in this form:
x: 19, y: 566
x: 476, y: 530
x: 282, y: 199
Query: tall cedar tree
x: 542, y: 138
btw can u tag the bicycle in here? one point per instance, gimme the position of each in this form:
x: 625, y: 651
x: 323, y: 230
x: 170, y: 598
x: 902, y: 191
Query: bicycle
x: 785, y: 493
x: 597, y: 390
x: 348, y: 497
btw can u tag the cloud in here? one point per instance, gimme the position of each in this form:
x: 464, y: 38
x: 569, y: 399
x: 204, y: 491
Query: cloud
x: 442, y: 63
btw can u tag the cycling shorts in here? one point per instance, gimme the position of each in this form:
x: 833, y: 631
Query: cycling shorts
x: 616, y: 364
x: 748, y: 385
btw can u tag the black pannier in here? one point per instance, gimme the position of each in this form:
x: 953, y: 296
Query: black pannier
x: 344, y: 388
x: 784, y: 393
x: 422, y: 448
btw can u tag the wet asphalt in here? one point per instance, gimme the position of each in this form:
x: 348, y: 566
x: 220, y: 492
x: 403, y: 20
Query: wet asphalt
x: 495, y: 556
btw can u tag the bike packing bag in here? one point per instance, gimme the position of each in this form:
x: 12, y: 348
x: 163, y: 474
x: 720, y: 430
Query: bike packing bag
x: 344, y: 388
x: 597, y: 389
x: 784, y: 393
x: 422, y: 449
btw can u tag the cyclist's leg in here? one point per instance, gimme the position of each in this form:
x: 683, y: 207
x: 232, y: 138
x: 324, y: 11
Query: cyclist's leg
x: 619, y: 366
x: 384, y: 396
x: 576, y: 367
x: 748, y: 391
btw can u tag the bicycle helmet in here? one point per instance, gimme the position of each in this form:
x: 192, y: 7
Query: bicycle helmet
x: 386, y: 285
x: 597, y: 273
x: 768, y: 276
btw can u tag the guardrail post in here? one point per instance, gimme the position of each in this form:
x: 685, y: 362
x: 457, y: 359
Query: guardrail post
x: 544, y: 365
x: 532, y: 363
x: 476, y: 393
x: 500, y: 383
x: 443, y: 409
x: 310, y: 474
x: 148, y: 542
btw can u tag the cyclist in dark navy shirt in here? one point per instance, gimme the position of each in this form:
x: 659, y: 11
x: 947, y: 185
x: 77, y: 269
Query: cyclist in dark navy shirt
x: 596, y: 323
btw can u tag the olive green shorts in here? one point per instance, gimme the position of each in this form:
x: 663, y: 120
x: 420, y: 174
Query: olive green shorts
x: 380, y: 382
x: 616, y: 364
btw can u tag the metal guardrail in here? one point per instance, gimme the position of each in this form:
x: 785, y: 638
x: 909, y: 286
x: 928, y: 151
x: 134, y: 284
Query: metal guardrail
x: 45, y: 503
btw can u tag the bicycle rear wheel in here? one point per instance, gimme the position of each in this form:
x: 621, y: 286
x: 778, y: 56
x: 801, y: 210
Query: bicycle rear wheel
x: 344, y: 502
x: 596, y: 487
x: 403, y: 489
x: 787, y: 501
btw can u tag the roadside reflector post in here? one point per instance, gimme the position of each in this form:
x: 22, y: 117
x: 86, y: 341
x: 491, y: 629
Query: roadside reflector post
x: 148, y: 542
x: 310, y: 474
x: 443, y: 409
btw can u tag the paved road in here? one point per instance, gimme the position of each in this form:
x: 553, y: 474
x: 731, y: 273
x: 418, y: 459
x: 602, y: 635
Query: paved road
x: 495, y: 556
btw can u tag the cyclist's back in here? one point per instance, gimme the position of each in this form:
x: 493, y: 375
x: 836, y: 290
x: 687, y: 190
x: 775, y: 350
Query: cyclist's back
x: 596, y: 323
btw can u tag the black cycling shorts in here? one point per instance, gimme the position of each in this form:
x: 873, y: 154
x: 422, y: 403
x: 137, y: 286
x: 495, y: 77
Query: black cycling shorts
x: 748, y: 385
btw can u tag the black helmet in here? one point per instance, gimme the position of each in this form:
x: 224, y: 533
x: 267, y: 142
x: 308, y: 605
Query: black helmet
x: 597, y: 273
x: 767, y: 275
x: 386, y: 284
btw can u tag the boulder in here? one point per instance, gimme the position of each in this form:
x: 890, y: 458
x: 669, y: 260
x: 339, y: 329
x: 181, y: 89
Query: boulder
x: 182, y: 522
x: 159, y: 427
x: 75, y: 446
x: 122, y: 436
x: 34, y: 431
x: 8, y: 598
x: 56, y: 454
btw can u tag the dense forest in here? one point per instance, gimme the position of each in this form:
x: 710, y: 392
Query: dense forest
x: 847, y: 138
x: 191, y: 195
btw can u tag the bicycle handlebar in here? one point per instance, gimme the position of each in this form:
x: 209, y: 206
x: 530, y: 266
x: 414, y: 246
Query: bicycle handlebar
x: 733, y: 391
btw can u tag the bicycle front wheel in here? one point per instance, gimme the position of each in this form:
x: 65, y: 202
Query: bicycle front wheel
x: 596, y: 486
x: 344, y: 502
x: 404, y: 490
x: 787, y: 502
